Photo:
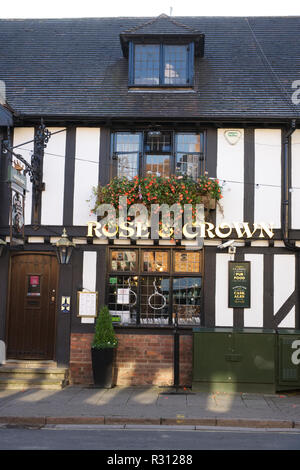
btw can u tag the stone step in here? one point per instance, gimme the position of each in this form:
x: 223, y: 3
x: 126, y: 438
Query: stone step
x: 40, y: 374
x: 29, y: 364
x: 36, y: 372
x: 21, y: 383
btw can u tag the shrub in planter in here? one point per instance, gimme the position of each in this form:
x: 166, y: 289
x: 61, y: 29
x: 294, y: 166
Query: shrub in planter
x: 103, y: 347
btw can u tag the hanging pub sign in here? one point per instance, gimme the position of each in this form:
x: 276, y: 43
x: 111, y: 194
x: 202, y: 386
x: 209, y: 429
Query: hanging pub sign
x: 17, y: 182
x: 239, y: 284
x: 16, y: 176
x: 16, y: 216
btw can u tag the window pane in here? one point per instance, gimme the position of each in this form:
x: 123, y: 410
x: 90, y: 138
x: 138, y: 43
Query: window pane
x: 154, y: 300
x: 188, y: 143
x: 189, y: 262
x: 127, y: 147
x: 126, y: 142
x: 175, y: 65
x: 158, y: 165
x: 189, y: 156
x: 122, y: 298
x: 155, y: 261
x: 188, y: 165
x: 186, y: 299
x: 128, y: 166
x: 158, y: 143
x: 146, y: 64
x: 123, y: 260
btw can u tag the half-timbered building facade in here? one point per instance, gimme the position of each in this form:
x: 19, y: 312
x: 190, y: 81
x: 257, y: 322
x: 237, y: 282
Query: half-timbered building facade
x: 133, y: 97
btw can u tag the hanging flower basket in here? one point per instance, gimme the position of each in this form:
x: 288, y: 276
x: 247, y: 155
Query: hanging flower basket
x: 160, y: 190
x: 209, y: 203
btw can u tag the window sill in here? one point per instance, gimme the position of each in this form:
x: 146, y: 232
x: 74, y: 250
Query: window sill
x: 153, y: 327
x: 161, y: 89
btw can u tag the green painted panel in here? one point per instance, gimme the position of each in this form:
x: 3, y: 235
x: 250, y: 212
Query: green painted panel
x: 234, y: 357
x: 258, y: 357
x: 288, y: 360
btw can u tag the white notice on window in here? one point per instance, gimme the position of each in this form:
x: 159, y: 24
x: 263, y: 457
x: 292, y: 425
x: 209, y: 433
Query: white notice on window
x: 123, y: 296
x: 87, y: 304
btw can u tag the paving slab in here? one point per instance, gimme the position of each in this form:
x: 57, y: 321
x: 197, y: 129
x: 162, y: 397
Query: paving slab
x: 172, y: 400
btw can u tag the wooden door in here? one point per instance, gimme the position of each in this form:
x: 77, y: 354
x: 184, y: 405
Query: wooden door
x: 32, y: 306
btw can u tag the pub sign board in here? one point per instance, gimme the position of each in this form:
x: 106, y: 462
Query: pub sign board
x: 239, y: 284
x: 17, y: 215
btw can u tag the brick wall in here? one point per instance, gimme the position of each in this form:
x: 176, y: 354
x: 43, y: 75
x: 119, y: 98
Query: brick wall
x: 140, y: 359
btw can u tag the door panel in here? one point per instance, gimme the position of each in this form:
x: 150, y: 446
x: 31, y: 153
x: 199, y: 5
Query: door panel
x: 32, y: 307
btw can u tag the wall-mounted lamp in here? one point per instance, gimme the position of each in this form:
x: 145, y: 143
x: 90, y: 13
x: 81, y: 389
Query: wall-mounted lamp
x: 2, y: 246
x: 64, y: 248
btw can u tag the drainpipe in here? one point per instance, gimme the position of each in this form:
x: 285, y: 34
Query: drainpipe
x: 285, y: 202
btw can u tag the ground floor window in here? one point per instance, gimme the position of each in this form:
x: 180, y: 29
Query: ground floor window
x: 155, y: 287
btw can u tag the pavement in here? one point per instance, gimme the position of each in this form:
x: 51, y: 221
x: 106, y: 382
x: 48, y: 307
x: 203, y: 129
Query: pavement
x: 126, y: 406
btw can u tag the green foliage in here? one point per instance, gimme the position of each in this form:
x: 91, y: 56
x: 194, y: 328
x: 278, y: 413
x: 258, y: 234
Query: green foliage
x: 104, y: 331
x: 158, y: 190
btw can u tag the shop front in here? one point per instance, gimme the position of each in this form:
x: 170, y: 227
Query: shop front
x: 155, y: 298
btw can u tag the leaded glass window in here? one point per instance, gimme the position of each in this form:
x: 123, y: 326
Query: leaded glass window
x: 155, y: 287
x: 186, y: 299
x: 175, y: 65
x: 146, y: 64
x: 158, y: 153
x: 126, y: 151
x: 189, y: 155
x: 161, y: 64
x: 157, y: 165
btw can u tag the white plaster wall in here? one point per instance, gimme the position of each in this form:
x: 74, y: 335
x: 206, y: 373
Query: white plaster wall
x: 267, y: 194
x: 53, y: 177
x: 22, y: 135
x: 224, y: 315
x: 230, y: 167
x: 254, y: 316
x: 89, y: 273
x: 89, y: 270
x: 86, y: 171
x: 295, y: 183
x: 284, y: 285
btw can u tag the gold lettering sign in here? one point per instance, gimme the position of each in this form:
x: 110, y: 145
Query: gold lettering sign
x: 205, y: 230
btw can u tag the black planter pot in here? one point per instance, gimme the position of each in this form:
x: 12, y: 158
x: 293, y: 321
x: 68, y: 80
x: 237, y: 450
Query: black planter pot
x: 102, y: 362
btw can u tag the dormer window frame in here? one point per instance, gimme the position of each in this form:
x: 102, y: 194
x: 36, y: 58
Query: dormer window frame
x: 162, y: 42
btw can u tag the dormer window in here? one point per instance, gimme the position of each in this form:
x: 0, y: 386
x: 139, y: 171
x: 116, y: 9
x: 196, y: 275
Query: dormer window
x: 161, y: 53
x: 161, y: 64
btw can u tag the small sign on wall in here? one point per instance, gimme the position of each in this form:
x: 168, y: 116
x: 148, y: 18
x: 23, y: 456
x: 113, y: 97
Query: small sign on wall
x: 87, y: 304
x: 232, y: 136
x: 239, y: 284
x: 65, y: 304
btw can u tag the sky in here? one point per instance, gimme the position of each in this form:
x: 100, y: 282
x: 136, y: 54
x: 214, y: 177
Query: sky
x: 107, y: 8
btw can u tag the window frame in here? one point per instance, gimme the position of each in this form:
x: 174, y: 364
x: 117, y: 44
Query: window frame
x: 171, y: 274
x: 142, y: 153
x: 161, y: 84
